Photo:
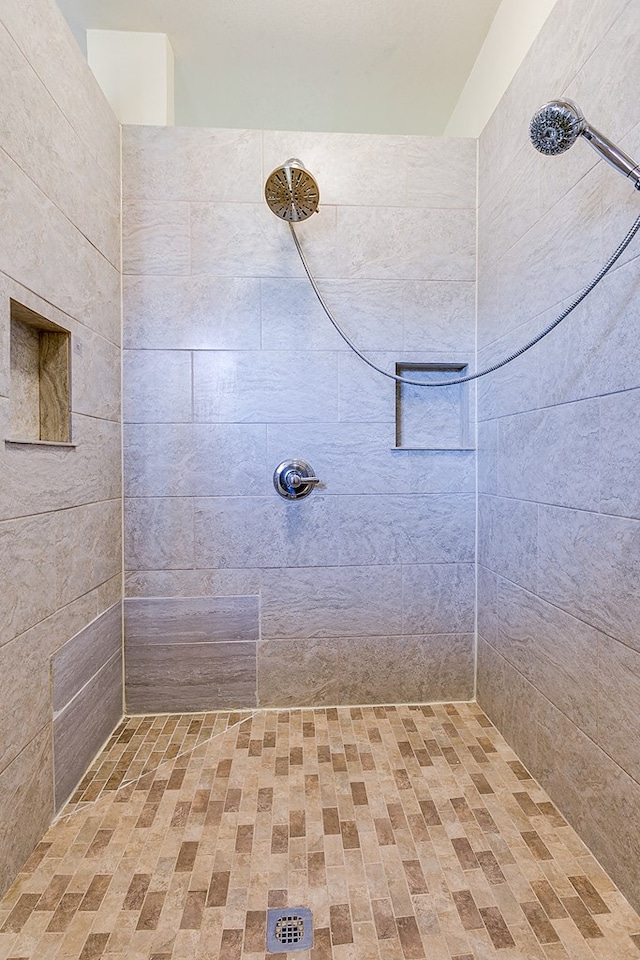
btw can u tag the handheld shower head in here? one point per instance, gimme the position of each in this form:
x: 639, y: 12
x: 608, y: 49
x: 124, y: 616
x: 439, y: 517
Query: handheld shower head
x: 291, y: 192
x: 557, y: 125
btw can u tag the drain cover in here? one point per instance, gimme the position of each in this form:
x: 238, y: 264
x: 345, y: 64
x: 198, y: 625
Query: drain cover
x: 290, y: 929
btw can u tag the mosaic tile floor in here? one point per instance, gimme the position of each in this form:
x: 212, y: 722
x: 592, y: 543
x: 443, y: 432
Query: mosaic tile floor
x: 410, y: 832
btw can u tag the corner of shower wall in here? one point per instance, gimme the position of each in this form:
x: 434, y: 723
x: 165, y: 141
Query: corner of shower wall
x: 364, y: 591
x: 558, y: 655
x: 60, y: 501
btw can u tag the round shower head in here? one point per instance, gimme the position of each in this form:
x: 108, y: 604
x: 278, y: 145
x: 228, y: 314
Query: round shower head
x: 556, y: 126
x: 291, y: 192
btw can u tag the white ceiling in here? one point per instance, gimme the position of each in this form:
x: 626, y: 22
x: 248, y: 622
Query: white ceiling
x: 375, y: 66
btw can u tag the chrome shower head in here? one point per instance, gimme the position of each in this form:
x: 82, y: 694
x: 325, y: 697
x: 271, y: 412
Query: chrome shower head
x: 557, y: 125
x: 291, y: 192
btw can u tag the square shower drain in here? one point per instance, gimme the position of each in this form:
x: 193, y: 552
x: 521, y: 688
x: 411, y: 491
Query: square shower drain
x: 290, y: 929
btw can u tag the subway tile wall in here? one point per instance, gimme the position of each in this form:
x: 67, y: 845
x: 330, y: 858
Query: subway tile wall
x: 559, y: 442
x: 60, y: 507
x: 364, y: 591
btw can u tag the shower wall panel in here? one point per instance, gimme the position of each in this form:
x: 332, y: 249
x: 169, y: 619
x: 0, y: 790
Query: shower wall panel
x: 559, y: 436
x: 60, y: 505
x: 364, y: 592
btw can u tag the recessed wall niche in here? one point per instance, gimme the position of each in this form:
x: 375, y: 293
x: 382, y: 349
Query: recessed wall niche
x: 436, y: 419
x: 40, y: 379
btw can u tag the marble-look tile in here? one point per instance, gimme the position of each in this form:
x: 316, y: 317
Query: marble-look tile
x: 247, y: 240
x: 510, y: 701
x: 265, y: 387
x: 37, y: 479
x: 89, y: 547
x: 439, y: 315
x: 365, y: 396
x: 552, y: 455
x: 192, y: 164
x: 619, y: 454
x: 30, y: 556
x: 109, y: 592
x: 265, y: 531
x: 555, y: 652
x: 441, y: 172
x: 570, y: 233
x: 369, y: 311
x: 158, y: 533
x: 195, y: 460
x: 508, y: 539
x: 618, y: 690
x: 26, y: 804
x: 419, y: 668
x: 156, y: 237
x: 46, y: 41
x: 438, y: 598
x: 157, y: 386
x: 378, y: 243
x: 437, y: 528
x: 45, y: 145
x: 513, y: 387
x: 95, y: 376
x: 192, y: 583
x: 190, y: 677
x: 294, y: 672
x: 81, y: 728
x: 26, y: 698
x: 191, y: 313
x: 488, y: 457
x: 595, y: 351
x: 594, y: 793
x: 591, y: 568
x: 24, y: 663
x: 81, y: 657
x: 487, y: 604
x: 337, y: 161
x: 78, y: 279
x: 433, y: 418
x: 190, y: 620
x: 331, y: 602
x: 501, y: 222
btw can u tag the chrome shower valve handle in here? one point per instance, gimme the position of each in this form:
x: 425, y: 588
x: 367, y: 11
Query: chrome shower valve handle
x: 294, y: 479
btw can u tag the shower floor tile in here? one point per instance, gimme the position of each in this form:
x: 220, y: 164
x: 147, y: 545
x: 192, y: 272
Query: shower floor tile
x: 412, y: 833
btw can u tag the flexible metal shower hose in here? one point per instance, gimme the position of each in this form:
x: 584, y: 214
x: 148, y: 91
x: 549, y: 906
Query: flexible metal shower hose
x: 495, y: 366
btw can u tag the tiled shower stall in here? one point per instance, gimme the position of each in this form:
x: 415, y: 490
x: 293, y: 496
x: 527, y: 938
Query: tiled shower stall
x: 428, y: 250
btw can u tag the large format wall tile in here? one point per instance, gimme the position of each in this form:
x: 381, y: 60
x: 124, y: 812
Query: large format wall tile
x: 508, y: 539
x: 590, y: 567
x: 195, y: 460
x: 438, y: 598
x: 437, y: 528
x: 619, y: 692
x: 77, y: 662
x: 192, y: 313
x: 190, y: 620
x: 265, y: 387
x: 158, y: 533
x: 26, y: 804
x: 265, y: 532
x: 81, y: 727
x: 620, y: 454
x: 552, y: 456
x: 157, y: 386
x: 331, y: 601
x: 555, y: 652
x: 183, y: 163
x: 182, y: 677
x: 156, y: 237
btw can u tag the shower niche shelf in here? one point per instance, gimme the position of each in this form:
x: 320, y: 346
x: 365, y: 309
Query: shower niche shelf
x: 432, y: 419
x: 39, y: 409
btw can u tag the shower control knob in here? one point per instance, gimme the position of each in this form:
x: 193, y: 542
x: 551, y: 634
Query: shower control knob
x: 294, y: 479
